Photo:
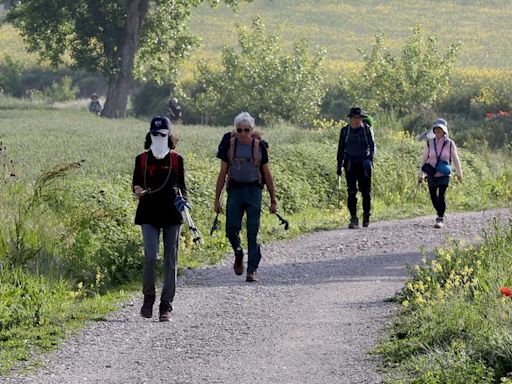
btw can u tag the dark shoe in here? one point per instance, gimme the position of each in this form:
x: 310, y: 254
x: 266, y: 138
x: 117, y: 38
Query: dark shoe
x: 165, y: 313
x: 147, y: 307
x: 251, y: 277
x: 354, y: 223
x: 366, y: 220
x: 239, y: 262
x: 439, y: 222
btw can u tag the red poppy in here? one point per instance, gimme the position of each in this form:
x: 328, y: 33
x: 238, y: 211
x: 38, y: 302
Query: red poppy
x: 506, y: 291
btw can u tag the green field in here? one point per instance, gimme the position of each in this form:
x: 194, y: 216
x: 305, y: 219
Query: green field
x: 343, y: 27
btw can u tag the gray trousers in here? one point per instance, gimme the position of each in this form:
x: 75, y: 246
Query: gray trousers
x: 171, y: 237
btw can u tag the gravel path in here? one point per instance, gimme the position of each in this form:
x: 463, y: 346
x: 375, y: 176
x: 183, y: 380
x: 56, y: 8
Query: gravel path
x: 312, y: 318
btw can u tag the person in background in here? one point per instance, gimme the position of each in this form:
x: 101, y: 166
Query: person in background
x: 174, y: 110
x: 436, y: 167
x: 245, y: 166
x: 356, y: 150
x: 159, y: 184
x: 95, y: 105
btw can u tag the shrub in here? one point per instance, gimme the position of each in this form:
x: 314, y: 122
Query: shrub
x: 62, y: 90
x: 418, y: 78
x: 262, y: 79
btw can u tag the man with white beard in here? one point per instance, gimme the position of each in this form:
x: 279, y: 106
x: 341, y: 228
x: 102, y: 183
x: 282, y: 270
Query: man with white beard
x: 158, y: 177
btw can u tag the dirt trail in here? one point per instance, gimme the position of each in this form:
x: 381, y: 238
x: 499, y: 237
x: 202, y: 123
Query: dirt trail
x: 318, y: 309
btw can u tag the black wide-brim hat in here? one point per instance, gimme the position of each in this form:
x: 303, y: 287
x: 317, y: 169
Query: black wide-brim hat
x: 356, y: 111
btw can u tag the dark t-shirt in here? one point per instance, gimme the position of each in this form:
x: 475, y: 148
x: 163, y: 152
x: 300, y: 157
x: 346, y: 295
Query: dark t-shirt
x: 223, y: 149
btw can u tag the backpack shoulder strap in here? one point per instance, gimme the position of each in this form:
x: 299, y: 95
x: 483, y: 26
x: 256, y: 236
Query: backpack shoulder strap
x: 232, y: 147
x: 256, y: 152
x: 175, y: 166
x: 143, y: 161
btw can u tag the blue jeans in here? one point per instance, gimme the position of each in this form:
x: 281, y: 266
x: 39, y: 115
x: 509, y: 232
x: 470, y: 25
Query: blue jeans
x: 244, y: 199
x: 171, y: 237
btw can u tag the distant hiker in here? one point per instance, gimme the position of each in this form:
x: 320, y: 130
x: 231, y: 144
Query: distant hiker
x: 95, y: 104
x: 436, y: 165
x: 245, y: 168
x: 159, y: 173
x: 356, y: 149
x: 174, y: 110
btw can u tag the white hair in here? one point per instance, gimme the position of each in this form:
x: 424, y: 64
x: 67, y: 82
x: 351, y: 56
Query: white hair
x: 244, y: 117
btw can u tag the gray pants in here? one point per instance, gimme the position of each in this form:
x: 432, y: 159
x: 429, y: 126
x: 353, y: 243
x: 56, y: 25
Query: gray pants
x: 171, y: 237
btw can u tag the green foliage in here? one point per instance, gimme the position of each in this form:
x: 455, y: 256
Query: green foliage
x: 455, y: 324
x: 263, y: 79
x: 115, y: 38
x: 418, y: 78
x: 62, y: 90
x: 151, y: 99
x: 10, y: 76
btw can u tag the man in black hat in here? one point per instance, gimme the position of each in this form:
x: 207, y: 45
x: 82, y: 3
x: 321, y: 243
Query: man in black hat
x: 356, y: 149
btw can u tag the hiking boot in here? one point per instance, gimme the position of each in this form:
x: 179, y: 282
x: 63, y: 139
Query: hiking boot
x: 147, y: 307
x: 238, y: 266
x: 251, y: 277
x: 354, y: 223
x: 366, y: 219
x: 165, y: 313
x: 439, y: 223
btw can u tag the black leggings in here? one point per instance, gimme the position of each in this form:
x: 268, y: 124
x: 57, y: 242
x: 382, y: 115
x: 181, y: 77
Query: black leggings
x: 437, y: 195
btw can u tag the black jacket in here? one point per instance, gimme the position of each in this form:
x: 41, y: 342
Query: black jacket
x: 156, y: 207
x: 360, y: 145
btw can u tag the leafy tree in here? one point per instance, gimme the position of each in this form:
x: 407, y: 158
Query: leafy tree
x: 118, y: 38
x: 263, y: 79
x: 417, y: 78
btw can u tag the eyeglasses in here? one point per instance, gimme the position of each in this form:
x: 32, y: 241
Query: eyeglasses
x: 239, y: 130
x: 155, y: 133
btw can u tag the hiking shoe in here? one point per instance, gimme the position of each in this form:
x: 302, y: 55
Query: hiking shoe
x: 238, y: 266
x: 366, y: 220
x: 147, y: 307
x: 354, y: 223
x: 165, y: 313
x: 251, y: 277
x: 439, y: 223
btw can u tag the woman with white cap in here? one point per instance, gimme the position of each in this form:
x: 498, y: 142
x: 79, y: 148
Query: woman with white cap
x: 436, y: 165
x: 158, y: 174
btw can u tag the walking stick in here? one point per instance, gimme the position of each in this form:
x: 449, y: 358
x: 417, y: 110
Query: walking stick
x: 337, y: 188
x: 215, y: 226
x: 282, y: 220
x: 339, y: 191
x: 187, y: 217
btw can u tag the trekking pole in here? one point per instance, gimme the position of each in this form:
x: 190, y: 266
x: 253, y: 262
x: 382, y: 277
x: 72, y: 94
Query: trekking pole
x: 215, y: 225
x: 414, y: 190
x: 339, y: 191
x: 188, y: 219
x: 282, y: 220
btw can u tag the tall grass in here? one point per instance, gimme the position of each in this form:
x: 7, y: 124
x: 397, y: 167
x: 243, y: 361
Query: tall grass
x: 455, y: 323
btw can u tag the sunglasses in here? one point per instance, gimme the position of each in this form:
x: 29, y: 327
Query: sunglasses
x: 239, y: 130
x: 158, y: 134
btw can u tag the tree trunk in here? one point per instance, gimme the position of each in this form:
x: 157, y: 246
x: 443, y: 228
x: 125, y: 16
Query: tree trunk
x: 119, y: 83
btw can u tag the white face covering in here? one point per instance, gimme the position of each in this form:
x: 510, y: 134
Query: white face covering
x: 160, y: 145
